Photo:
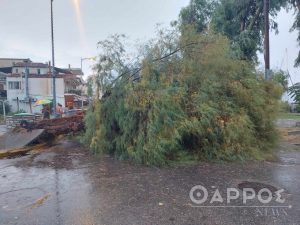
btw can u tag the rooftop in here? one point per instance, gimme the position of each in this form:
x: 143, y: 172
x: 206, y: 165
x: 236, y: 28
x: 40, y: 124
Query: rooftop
x: 27, y: 59
x: 75, y: 71
x: 31, y: 64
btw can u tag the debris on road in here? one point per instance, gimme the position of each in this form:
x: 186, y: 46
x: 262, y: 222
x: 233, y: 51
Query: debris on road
x: 14, y: 143
x: 13, y: 152
x: 63, y: 125
x: 40, y: 202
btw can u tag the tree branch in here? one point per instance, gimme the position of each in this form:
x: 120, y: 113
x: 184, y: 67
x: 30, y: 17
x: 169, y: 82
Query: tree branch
x: 154, y: 60
x: 254, y: 19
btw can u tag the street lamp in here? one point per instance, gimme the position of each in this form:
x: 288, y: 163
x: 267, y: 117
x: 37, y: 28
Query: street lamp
x: 53, y: 61
x: 83, y: 59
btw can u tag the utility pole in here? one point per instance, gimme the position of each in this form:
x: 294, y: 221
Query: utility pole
x: 53, y: 61
x: 27, y: 80
x: 267, y: 38
x: 27, y: 86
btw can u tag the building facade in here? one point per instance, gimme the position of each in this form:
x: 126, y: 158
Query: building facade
x: 29, y: 82
x: 3, y: 92
x: 6, y: 69
x: 9, y: 62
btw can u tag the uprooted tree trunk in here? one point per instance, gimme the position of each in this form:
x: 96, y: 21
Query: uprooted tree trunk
x: 62, y: 125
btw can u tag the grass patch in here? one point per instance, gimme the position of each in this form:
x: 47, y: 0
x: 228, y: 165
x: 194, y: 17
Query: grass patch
x: 290, y: 116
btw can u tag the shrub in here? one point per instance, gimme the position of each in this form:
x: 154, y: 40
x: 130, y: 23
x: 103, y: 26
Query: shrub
x: 7, y: 108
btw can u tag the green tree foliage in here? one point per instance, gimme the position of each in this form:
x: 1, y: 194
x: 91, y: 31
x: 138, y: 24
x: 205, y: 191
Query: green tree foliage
x: 281, y: 77
x: 294, y: 92
x: 296, y: 25
x: 242, y: 21
x: 7, y: 108
x: 192, y: 99
x: 198, y: 13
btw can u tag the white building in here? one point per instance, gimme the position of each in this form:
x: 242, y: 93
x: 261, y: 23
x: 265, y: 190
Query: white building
x: 3, y: 94
x: 9, y: 62
x: 5, y: 69
x: 30, y: 82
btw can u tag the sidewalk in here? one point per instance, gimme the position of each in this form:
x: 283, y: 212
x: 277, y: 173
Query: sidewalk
x: 3, y: 129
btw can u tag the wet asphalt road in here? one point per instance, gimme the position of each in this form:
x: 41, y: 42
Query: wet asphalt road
x: 2, y: 129
x: 65, y: 185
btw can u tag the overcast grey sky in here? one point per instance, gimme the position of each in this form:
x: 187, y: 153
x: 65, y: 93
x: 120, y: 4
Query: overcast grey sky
x: 25, y: 28
x: 284, y: 46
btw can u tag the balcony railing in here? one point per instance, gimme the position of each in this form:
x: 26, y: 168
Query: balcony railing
x: 73, y: 91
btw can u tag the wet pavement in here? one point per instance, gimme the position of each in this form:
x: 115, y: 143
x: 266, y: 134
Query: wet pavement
x: 3, y: 129
x: 64, y: 184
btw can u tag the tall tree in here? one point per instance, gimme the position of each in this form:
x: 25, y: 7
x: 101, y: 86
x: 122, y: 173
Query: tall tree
x: 295, y: 4
x: 198, y: 13
x: 242, y: 21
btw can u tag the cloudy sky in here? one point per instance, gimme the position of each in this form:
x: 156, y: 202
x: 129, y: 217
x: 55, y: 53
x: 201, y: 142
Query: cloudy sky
x: 284, y: 46
x: 25, y: 28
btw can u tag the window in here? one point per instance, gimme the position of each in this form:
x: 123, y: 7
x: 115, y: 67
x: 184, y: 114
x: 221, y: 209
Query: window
x: 39, y: 71
x: 14, y: 85
x: 17, y: 70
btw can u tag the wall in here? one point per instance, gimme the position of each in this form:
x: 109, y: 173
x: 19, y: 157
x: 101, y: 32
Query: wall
x: 3, y: 81
x: 20, y: 70
x: 9, y: 62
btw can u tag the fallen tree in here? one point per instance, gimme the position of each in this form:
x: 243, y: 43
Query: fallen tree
x: 63, y: 125
x: 198, y: 103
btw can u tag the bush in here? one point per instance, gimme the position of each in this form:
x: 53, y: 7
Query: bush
x: 297, y: 108
x: 7, y: 108
x: 199, y: 103
x: 284, y: 107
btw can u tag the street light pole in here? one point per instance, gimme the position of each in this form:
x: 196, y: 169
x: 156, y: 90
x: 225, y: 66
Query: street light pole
x: 53, y: 61
x: 83, y: 59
